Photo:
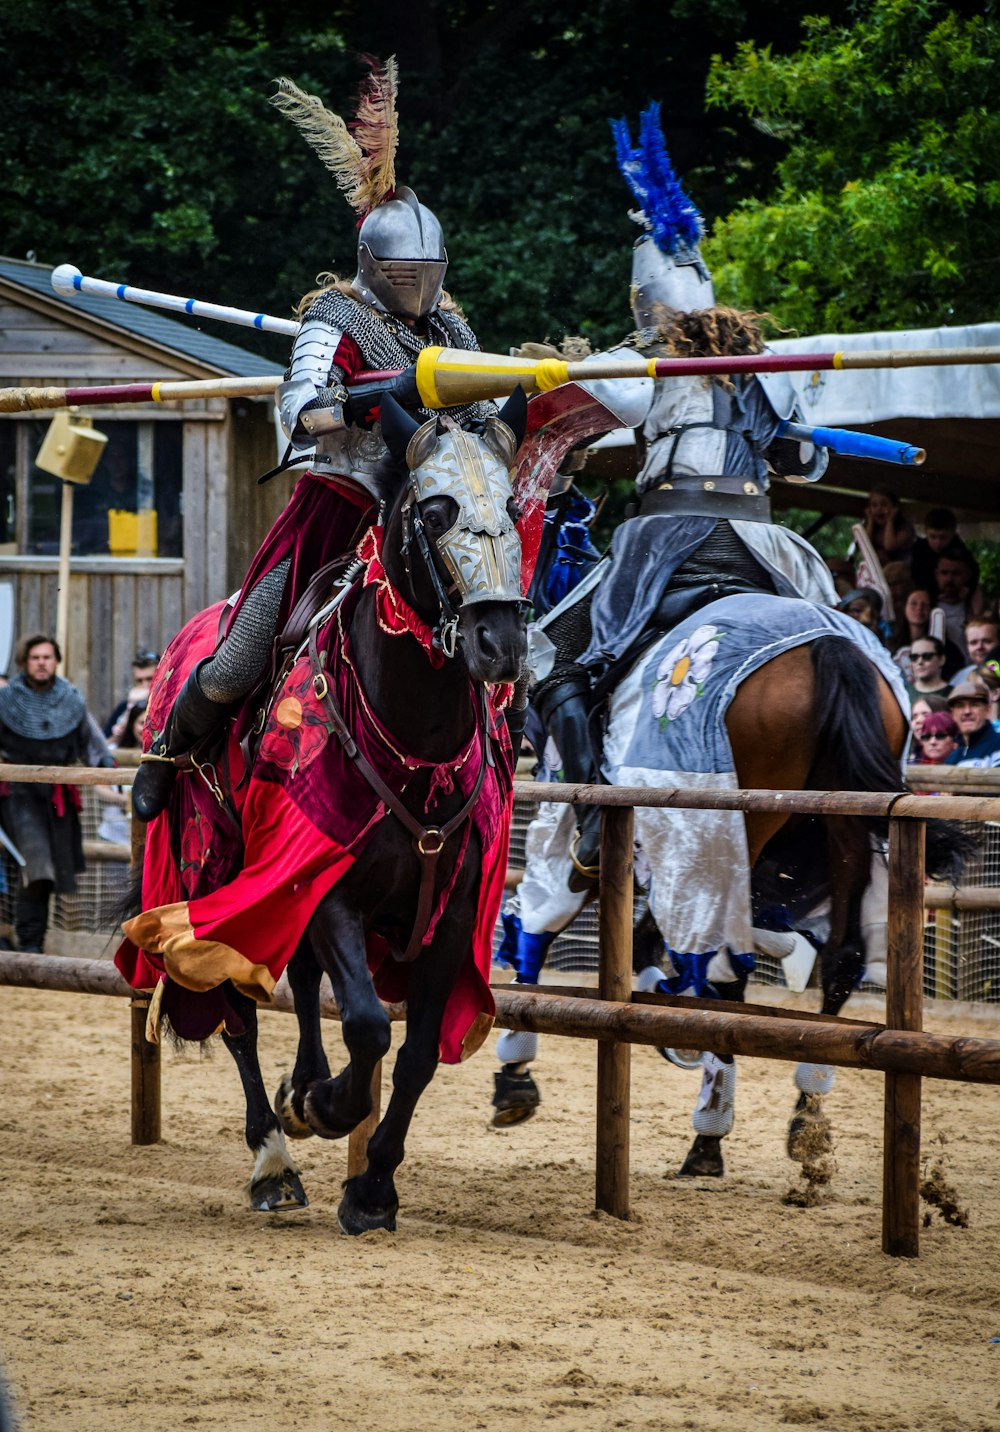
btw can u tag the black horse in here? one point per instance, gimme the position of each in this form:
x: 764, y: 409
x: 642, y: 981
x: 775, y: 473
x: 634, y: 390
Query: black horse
x: 461, y: 579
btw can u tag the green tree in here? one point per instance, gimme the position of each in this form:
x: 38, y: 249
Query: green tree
x: 146, y: 150
x: 885, y: 202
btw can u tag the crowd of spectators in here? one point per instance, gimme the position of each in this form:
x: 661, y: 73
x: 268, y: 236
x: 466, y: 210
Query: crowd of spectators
x: 941, y: 628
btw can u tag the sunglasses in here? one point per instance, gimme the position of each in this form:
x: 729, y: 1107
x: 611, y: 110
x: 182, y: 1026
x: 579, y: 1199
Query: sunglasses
x: 936, y: 736
x: 922, y: 655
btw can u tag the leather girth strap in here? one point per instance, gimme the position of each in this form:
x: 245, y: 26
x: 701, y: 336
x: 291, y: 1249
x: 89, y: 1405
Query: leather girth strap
x: 428, y: 841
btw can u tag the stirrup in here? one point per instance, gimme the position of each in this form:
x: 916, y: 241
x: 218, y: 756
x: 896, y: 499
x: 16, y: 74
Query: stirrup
x: 589, y: 872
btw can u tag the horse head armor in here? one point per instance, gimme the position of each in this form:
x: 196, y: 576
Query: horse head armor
x: 481, y: 550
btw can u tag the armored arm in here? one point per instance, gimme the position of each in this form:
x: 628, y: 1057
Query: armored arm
x: 310, y: 400
x: 629, y: 399
x: 789, y: 456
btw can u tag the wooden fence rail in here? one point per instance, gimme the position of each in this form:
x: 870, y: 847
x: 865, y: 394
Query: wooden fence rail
x: 900, y: 1048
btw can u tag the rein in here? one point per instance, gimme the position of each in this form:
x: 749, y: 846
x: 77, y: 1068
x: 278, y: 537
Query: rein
x: 393, y: 612
x: 428, y: 840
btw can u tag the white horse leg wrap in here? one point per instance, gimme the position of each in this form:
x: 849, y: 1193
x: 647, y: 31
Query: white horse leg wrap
x: 517, y: 1046
x: 814, y: 1078
x: 713, y: 1113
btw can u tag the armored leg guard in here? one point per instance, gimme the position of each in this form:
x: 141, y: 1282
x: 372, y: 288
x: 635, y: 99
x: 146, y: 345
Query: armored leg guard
x: 815, y: 1078
x: 517, y: 1046
x: 713, y: 1113
x: 192, y: 718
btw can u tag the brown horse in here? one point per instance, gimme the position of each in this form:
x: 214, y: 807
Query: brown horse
x: 818, y: 716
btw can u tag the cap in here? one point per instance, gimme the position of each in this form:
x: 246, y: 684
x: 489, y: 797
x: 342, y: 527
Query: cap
x: 145, y: 657
x: 968, y: 691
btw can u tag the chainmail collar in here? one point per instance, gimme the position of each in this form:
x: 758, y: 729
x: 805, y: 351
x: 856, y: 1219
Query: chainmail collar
x: 43, y: 715
x: 387, y: 342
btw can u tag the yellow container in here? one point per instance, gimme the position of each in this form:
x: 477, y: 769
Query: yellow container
x: 132, y: 534
x: 72, y: 448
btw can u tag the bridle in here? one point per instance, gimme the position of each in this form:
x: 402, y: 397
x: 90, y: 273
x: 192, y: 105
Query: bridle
x: 445, y: 633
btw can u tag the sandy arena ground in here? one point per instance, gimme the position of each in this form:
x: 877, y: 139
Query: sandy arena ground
x: 138, y: 1292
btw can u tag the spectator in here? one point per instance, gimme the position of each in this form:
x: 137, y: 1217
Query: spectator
x: 912, y: 621
x: 44, y: 722
x: 979, y: 743
x: 955, y: 583
x: 927, y: 655
x: 939, y: 739
x: 940, y: 535
x: 890, y: 532
x: 115, y: 823
x: 144, y: 665
x: 865, y: 605
x: 919, y: 711
x: 981, y: 635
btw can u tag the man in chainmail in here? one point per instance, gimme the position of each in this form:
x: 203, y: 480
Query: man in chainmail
x: 382, y: 319
x: 44, y: 721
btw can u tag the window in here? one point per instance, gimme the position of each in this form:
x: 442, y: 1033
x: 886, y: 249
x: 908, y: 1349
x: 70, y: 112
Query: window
x: 8, y: 486
x: 139, y: 475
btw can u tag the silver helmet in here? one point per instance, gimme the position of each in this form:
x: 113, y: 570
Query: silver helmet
x: 680, y: 280
x: 402, y: 259
x: 667, y: 266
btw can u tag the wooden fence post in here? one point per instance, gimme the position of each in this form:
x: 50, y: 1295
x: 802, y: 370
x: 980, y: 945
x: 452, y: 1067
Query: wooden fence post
x: 904, y: 1009
x: 145, y: 1077
x: 146, y: 1088
x: 615, y: 982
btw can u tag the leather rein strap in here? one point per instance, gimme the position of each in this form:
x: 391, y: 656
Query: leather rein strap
x: 428, y: 840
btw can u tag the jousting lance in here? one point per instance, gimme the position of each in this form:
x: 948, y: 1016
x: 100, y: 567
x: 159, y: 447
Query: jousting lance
x: 68, y: 281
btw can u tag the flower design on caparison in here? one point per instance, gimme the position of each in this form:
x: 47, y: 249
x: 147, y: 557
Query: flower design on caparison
x: 681, y: 675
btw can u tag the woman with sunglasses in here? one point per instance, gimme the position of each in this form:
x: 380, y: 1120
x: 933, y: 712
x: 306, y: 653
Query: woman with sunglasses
x: 927, y: 656
x: 939, y: 739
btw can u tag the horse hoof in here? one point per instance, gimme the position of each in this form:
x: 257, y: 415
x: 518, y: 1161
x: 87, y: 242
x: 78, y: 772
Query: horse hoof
x: 515, y: 1098
x: 353, y: 1219
x: 324, y: 1125
x: 284, y: 1109
x: 810, y: 1136
x: 704, y: 1159
x: 278, y: 1192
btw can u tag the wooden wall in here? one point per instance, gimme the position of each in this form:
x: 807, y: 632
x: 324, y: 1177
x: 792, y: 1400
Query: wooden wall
x: 119, y: 604
x: 115, y: 606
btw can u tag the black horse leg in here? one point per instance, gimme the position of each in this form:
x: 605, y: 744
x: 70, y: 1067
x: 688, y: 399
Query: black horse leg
x: 333, y: 1107
x: 274, y: 1183
x: 311, y: 1064
x: 370, y: 1199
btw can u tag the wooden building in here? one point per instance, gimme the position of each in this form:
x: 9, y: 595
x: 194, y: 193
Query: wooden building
x: 189, y: 470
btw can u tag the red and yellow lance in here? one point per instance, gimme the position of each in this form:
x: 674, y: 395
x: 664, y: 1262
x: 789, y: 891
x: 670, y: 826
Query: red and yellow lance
x: 451, y: 377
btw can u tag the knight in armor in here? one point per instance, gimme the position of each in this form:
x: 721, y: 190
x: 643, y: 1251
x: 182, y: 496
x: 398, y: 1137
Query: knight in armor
x: 394, y: 307
x: 707, y: 448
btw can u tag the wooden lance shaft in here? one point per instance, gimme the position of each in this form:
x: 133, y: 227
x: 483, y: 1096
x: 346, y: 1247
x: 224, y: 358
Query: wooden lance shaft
x: 448, y: 377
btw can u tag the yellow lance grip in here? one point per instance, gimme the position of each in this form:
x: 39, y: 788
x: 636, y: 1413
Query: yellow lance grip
x: 449, y: 377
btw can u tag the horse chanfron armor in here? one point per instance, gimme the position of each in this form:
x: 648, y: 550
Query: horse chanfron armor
x: 482, y: 549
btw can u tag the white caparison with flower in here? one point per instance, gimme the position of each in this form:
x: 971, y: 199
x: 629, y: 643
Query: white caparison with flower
x: 682, y: 673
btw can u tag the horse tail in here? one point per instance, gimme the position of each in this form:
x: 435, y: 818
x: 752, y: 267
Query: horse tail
x: 853, y: 752
x: 130, y: 901
x: 852, y: 749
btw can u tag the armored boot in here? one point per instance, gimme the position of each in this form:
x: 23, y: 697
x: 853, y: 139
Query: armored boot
x: 192, y: 718
x: 563, y: 706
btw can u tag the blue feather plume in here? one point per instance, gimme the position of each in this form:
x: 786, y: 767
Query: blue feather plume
x: 667, y: 211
